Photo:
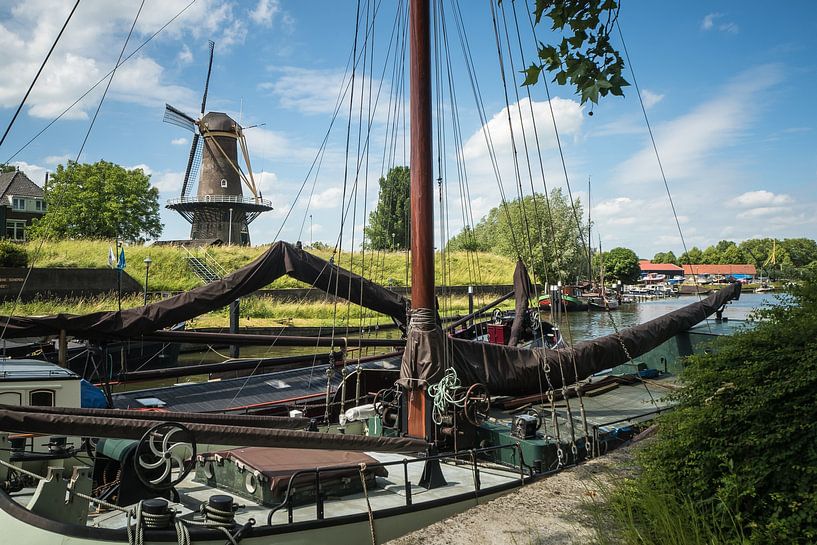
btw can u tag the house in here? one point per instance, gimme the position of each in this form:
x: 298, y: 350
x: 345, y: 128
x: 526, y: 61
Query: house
x: 736, y: 271
x: 21, y: 202
x: 657, y: 269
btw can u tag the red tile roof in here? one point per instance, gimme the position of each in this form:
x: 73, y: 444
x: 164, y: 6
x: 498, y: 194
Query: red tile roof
x: 646, y: 266
x: 720, y: 269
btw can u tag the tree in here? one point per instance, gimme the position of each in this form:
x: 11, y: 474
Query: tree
x: 5, y: 167
x: 693, y: 257
x: 584, y: 56
x: 100, y: 200
x: 541, y: 231
x: 388, y: 227
x: 621, y: 264
x: 665, y: 257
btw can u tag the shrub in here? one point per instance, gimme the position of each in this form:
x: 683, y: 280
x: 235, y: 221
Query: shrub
x: 743, y: 436
x: 12, y: 255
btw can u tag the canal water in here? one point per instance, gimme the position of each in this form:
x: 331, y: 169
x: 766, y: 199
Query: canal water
x: 575, y: 326
x: 578, y: 326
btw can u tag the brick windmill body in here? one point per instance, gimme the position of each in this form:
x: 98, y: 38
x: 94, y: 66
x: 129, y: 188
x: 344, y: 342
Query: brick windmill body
x: 219, y: 210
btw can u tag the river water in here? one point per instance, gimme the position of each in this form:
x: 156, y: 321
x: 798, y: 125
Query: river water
x: 587, y: 325
x: 575, y: 326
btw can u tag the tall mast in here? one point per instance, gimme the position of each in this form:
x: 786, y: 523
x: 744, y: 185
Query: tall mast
x: 422, y: 201
x: 422, y: 188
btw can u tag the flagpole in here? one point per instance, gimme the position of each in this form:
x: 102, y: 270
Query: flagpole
x: 118, y: 275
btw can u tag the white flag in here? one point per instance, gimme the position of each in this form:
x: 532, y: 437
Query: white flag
x: 111, y: 258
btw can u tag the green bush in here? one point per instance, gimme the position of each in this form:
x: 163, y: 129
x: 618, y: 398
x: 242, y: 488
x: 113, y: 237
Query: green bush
x: 12, y: 255
x: 744, y: 437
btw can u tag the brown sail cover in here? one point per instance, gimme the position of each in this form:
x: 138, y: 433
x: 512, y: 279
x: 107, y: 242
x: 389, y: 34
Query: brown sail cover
x: 507, y: 370
x: 254, y: 421
x: 282, y: 258
x: 32, y: 420
x: 522, y: 289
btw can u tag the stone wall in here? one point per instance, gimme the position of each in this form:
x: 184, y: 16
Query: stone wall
x: 63, y: 282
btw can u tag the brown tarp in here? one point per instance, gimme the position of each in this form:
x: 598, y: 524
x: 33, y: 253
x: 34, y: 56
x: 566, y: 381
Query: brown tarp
x: 508, y: 370
x: 280, y: 259
x: 521, y: 289
x: 33, y: 421
x: 281, y: 422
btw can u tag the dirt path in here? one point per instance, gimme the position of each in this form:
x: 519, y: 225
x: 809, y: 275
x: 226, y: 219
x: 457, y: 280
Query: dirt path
x: 548, y: 512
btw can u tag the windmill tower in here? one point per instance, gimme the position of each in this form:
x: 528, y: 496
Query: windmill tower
x: 219, y: 209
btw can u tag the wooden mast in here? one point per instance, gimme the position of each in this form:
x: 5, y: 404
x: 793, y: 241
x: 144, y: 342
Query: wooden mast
x: 422, y: 189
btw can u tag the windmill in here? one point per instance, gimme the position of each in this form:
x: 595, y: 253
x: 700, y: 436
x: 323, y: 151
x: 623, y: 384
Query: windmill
x: 219, y: 209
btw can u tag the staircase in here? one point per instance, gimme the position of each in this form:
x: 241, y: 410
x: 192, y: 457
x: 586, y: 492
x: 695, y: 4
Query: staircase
x: 205, y: 267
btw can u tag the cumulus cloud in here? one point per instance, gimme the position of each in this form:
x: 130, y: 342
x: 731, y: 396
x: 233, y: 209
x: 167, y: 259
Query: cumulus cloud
x: 760, y: 198
x: 185, y: 56
x: 328, y: 198
x: 181, y: 141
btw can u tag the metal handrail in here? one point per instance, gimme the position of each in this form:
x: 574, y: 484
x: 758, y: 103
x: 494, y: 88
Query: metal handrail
x: 238, y: 199
x: 472, y: 453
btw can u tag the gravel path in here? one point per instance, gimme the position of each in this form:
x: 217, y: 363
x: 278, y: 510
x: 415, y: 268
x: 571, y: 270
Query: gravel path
x: 548, y: 512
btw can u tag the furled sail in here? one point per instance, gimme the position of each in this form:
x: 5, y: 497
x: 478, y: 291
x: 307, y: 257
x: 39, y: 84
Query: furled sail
x: 33, y: 420
x: 281, y: 259
x: 509, y: 370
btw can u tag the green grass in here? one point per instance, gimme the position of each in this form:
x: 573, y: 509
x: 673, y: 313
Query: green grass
x: 638, y: 512
x: 169, y: 271
x: 256, y: 311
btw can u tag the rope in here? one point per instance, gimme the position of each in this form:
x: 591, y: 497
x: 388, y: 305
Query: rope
x: 23, y: 471
x: 362, y: 470
x: 444, y: 394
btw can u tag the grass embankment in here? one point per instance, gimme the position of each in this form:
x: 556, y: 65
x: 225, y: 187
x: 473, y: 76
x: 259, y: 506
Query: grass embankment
x: 169, y: 272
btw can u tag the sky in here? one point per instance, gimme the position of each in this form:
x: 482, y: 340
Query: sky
x: 727, y: 87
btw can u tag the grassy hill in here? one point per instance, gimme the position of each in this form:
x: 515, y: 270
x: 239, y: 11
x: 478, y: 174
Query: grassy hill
x: 169, y: 271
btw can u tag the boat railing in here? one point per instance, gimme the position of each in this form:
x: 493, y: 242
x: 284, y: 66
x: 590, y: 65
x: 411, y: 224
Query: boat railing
x: 525, y: 471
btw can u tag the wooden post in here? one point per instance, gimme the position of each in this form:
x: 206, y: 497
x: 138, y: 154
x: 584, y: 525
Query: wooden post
x: 422, y: 188
x: 62, y: 349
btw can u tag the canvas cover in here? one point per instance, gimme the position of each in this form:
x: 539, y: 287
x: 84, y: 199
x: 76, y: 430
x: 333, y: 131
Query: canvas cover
x: 33, y: 420
x: 514, y: 371
x: 282, y: 258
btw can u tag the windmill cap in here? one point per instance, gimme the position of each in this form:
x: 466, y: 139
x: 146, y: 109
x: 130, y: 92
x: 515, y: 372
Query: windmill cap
x: 219, y: 121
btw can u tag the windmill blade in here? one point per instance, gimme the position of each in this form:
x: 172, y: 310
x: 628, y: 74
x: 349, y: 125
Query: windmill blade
x: 174, y: 116
x: 207, y: 81
x: 193, y: 162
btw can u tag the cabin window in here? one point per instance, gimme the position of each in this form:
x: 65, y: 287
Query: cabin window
x: 223, y: 182
x: 18, y: 203
x: 11, y: 398
x: 42, y: 398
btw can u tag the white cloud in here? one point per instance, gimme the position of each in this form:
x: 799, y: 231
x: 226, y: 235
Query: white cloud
x: 35, y: 173
x: 90, y: 46
x: 55, y: 160
x: 762, y: 197
x: 687, y: 143
x: 265, y: 11
x: 181, y: 141
x: 710, y: 22
x: 650, y: 99
x: 185, y: 56
x: 328, y: 198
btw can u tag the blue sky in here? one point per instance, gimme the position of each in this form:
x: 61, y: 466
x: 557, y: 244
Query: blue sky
x: 728, y: 88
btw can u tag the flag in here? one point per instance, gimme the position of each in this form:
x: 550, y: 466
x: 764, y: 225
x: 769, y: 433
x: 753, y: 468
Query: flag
x: 121, y: 264
x: 111, y: 258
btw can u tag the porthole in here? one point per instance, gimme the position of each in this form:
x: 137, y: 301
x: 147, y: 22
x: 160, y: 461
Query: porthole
x: 251, y: 483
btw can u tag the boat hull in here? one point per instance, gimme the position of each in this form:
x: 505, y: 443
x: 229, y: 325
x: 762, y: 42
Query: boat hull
x: 389, y: 524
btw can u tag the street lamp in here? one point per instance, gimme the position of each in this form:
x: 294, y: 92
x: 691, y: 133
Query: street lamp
x: 147, y: 274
